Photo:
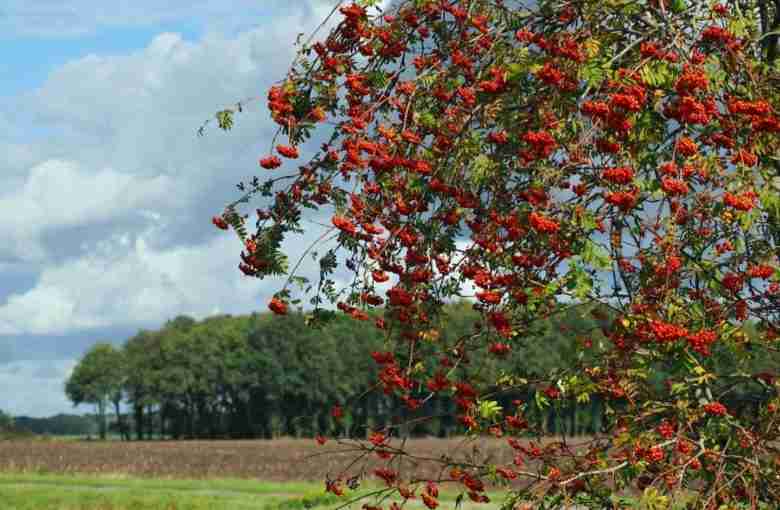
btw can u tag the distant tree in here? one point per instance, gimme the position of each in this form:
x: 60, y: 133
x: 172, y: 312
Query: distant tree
x: 58, y: 425
x: 161, y: 374
x: 143, y: 358
x: 98, y: 379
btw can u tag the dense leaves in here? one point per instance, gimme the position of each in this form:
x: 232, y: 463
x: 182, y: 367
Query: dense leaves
x: 622, y: 153
x: 57, y: 425
x: 97, y: 379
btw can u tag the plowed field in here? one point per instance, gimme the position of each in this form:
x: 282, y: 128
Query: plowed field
x: 276, y: 460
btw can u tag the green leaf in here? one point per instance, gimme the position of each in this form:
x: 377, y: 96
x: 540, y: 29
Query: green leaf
x: 489, y: 409
x: 428, y: 120
x: 679, y: 6
x: 596, y: 255
x: 225, y: 119
x: 482, y: 168
x: 541, y: 400
x: 594, y: 73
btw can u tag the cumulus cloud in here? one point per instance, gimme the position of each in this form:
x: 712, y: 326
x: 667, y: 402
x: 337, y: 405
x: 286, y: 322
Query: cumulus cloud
x: 139, y: 113
x: 122, y: 134
x: 58, y: 194
x: 125, y: 280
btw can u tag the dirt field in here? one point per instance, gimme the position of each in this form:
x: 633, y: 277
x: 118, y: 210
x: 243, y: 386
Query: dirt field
x: 277, y: 460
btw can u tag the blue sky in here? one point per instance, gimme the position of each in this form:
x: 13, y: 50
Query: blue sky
x: 108, y: 193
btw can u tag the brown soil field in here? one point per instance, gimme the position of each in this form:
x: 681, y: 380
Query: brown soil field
x: 274, y: 460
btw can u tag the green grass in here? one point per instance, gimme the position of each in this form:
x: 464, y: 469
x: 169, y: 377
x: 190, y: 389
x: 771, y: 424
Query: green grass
x: 25, y: 491
x: 41, y: 491
x: 35, y: 497
x: 125, y: 482
x: 44, y: 491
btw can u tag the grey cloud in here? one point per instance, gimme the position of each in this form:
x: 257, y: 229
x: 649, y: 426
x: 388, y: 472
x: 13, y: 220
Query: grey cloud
x: 31, y: 389
x: 60, y: 345
x: 59, y: 194
x: 50, y: 369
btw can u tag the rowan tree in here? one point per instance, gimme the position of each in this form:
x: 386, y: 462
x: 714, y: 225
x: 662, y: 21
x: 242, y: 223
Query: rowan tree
x: 617, y: 153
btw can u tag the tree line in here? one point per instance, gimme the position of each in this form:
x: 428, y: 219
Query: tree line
x: 262, y: 376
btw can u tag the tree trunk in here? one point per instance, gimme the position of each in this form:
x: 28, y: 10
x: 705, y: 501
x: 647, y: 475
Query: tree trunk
x: 138, y: 417
x: 190, y: 419
x: 120, y: 419
x: 149, y: 421
x: 163, y: 416
x: 101, y: 407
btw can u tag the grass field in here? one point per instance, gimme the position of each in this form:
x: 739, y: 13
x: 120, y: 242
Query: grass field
x: 284, y: 474
x: 26, y: 491
x: 19, y: 491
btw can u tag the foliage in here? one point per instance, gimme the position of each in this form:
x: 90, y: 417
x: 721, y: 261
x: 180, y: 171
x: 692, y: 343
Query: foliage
x: 58, y: 425
x: 97, y: 379
x: 6, y: 421
x: 253, y: 376
x: 615, y: 153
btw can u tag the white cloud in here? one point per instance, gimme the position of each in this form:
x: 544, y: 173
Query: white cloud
x: 119, y: 282
x: 58, y: 194
x: 122, y: 134
x: 35, y: 388
x: 114, y: 210
x: 140, y: 112
x: 127, y: 280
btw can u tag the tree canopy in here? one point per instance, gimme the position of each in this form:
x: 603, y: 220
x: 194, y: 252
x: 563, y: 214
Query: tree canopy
x: 97, y: 379
x: 253, y: 376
